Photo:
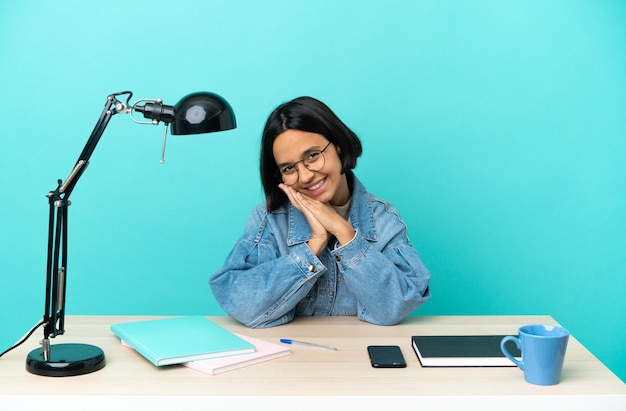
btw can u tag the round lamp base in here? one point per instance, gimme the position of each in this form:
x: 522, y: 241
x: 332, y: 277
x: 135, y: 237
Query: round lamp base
x: 66, y: 360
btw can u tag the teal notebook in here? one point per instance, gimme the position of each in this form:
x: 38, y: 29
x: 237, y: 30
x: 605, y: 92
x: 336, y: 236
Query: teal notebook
x: 181, y: 339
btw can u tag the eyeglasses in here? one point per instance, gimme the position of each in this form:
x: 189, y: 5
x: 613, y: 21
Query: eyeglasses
x: 313, y: 161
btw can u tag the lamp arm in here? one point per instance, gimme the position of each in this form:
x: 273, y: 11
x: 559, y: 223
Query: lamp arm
x: 54, y: 312
x: 111, y: 107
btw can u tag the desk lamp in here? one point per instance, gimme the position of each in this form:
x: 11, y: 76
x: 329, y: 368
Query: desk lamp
x: 196, y: 113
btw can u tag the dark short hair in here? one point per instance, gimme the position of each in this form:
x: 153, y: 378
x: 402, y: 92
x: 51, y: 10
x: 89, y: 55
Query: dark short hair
x: 310, y: 115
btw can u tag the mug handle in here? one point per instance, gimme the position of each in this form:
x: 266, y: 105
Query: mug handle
x: 516, y: 340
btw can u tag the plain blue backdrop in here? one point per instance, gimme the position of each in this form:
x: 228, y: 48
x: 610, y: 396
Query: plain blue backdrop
x: 497, y: 128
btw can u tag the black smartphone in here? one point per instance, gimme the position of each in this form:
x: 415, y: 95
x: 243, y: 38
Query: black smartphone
x: 386, y: 356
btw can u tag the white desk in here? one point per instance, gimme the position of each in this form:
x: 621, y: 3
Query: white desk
x: 310, y: 378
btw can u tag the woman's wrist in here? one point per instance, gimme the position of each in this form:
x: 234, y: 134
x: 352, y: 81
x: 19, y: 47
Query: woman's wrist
x: 346, y: 234
x: 317, y: 244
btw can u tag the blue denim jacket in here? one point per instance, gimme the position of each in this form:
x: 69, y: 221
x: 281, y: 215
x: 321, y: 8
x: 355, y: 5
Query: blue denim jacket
x: 271, y: 274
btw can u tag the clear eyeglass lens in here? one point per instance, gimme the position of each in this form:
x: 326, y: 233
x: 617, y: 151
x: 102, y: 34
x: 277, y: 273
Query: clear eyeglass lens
x: 313, y: 162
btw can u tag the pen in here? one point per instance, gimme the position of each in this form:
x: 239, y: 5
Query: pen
x: 310, y: 344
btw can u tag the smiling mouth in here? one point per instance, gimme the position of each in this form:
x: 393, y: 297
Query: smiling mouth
x: 316, y: 186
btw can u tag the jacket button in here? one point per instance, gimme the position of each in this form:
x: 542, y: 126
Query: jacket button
x: 338, y: 257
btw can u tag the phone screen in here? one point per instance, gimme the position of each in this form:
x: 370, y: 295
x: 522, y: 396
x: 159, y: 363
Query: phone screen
x: 386, y: 356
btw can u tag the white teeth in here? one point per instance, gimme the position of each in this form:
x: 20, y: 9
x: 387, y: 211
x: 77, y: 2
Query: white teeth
x: 316, y: 186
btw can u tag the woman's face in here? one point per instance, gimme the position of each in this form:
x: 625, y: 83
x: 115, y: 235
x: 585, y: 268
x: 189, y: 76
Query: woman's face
x: 328, y: 185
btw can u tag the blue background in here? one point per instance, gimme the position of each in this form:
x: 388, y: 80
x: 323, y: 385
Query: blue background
x: 498, y: 129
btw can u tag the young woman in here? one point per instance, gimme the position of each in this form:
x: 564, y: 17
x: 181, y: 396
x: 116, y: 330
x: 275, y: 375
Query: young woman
x: 321, y: 244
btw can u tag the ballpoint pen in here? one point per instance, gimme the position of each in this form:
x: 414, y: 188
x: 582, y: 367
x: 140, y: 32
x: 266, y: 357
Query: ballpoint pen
x: 310, y: 344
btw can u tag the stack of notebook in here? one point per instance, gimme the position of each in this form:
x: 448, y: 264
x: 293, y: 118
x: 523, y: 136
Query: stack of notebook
x: 195, y: 342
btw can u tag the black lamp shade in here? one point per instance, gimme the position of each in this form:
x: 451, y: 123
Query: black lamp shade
x: 202, y: 112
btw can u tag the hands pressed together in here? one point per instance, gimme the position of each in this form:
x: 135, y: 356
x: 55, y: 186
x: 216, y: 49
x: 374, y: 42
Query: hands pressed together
x: 323, y: 220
